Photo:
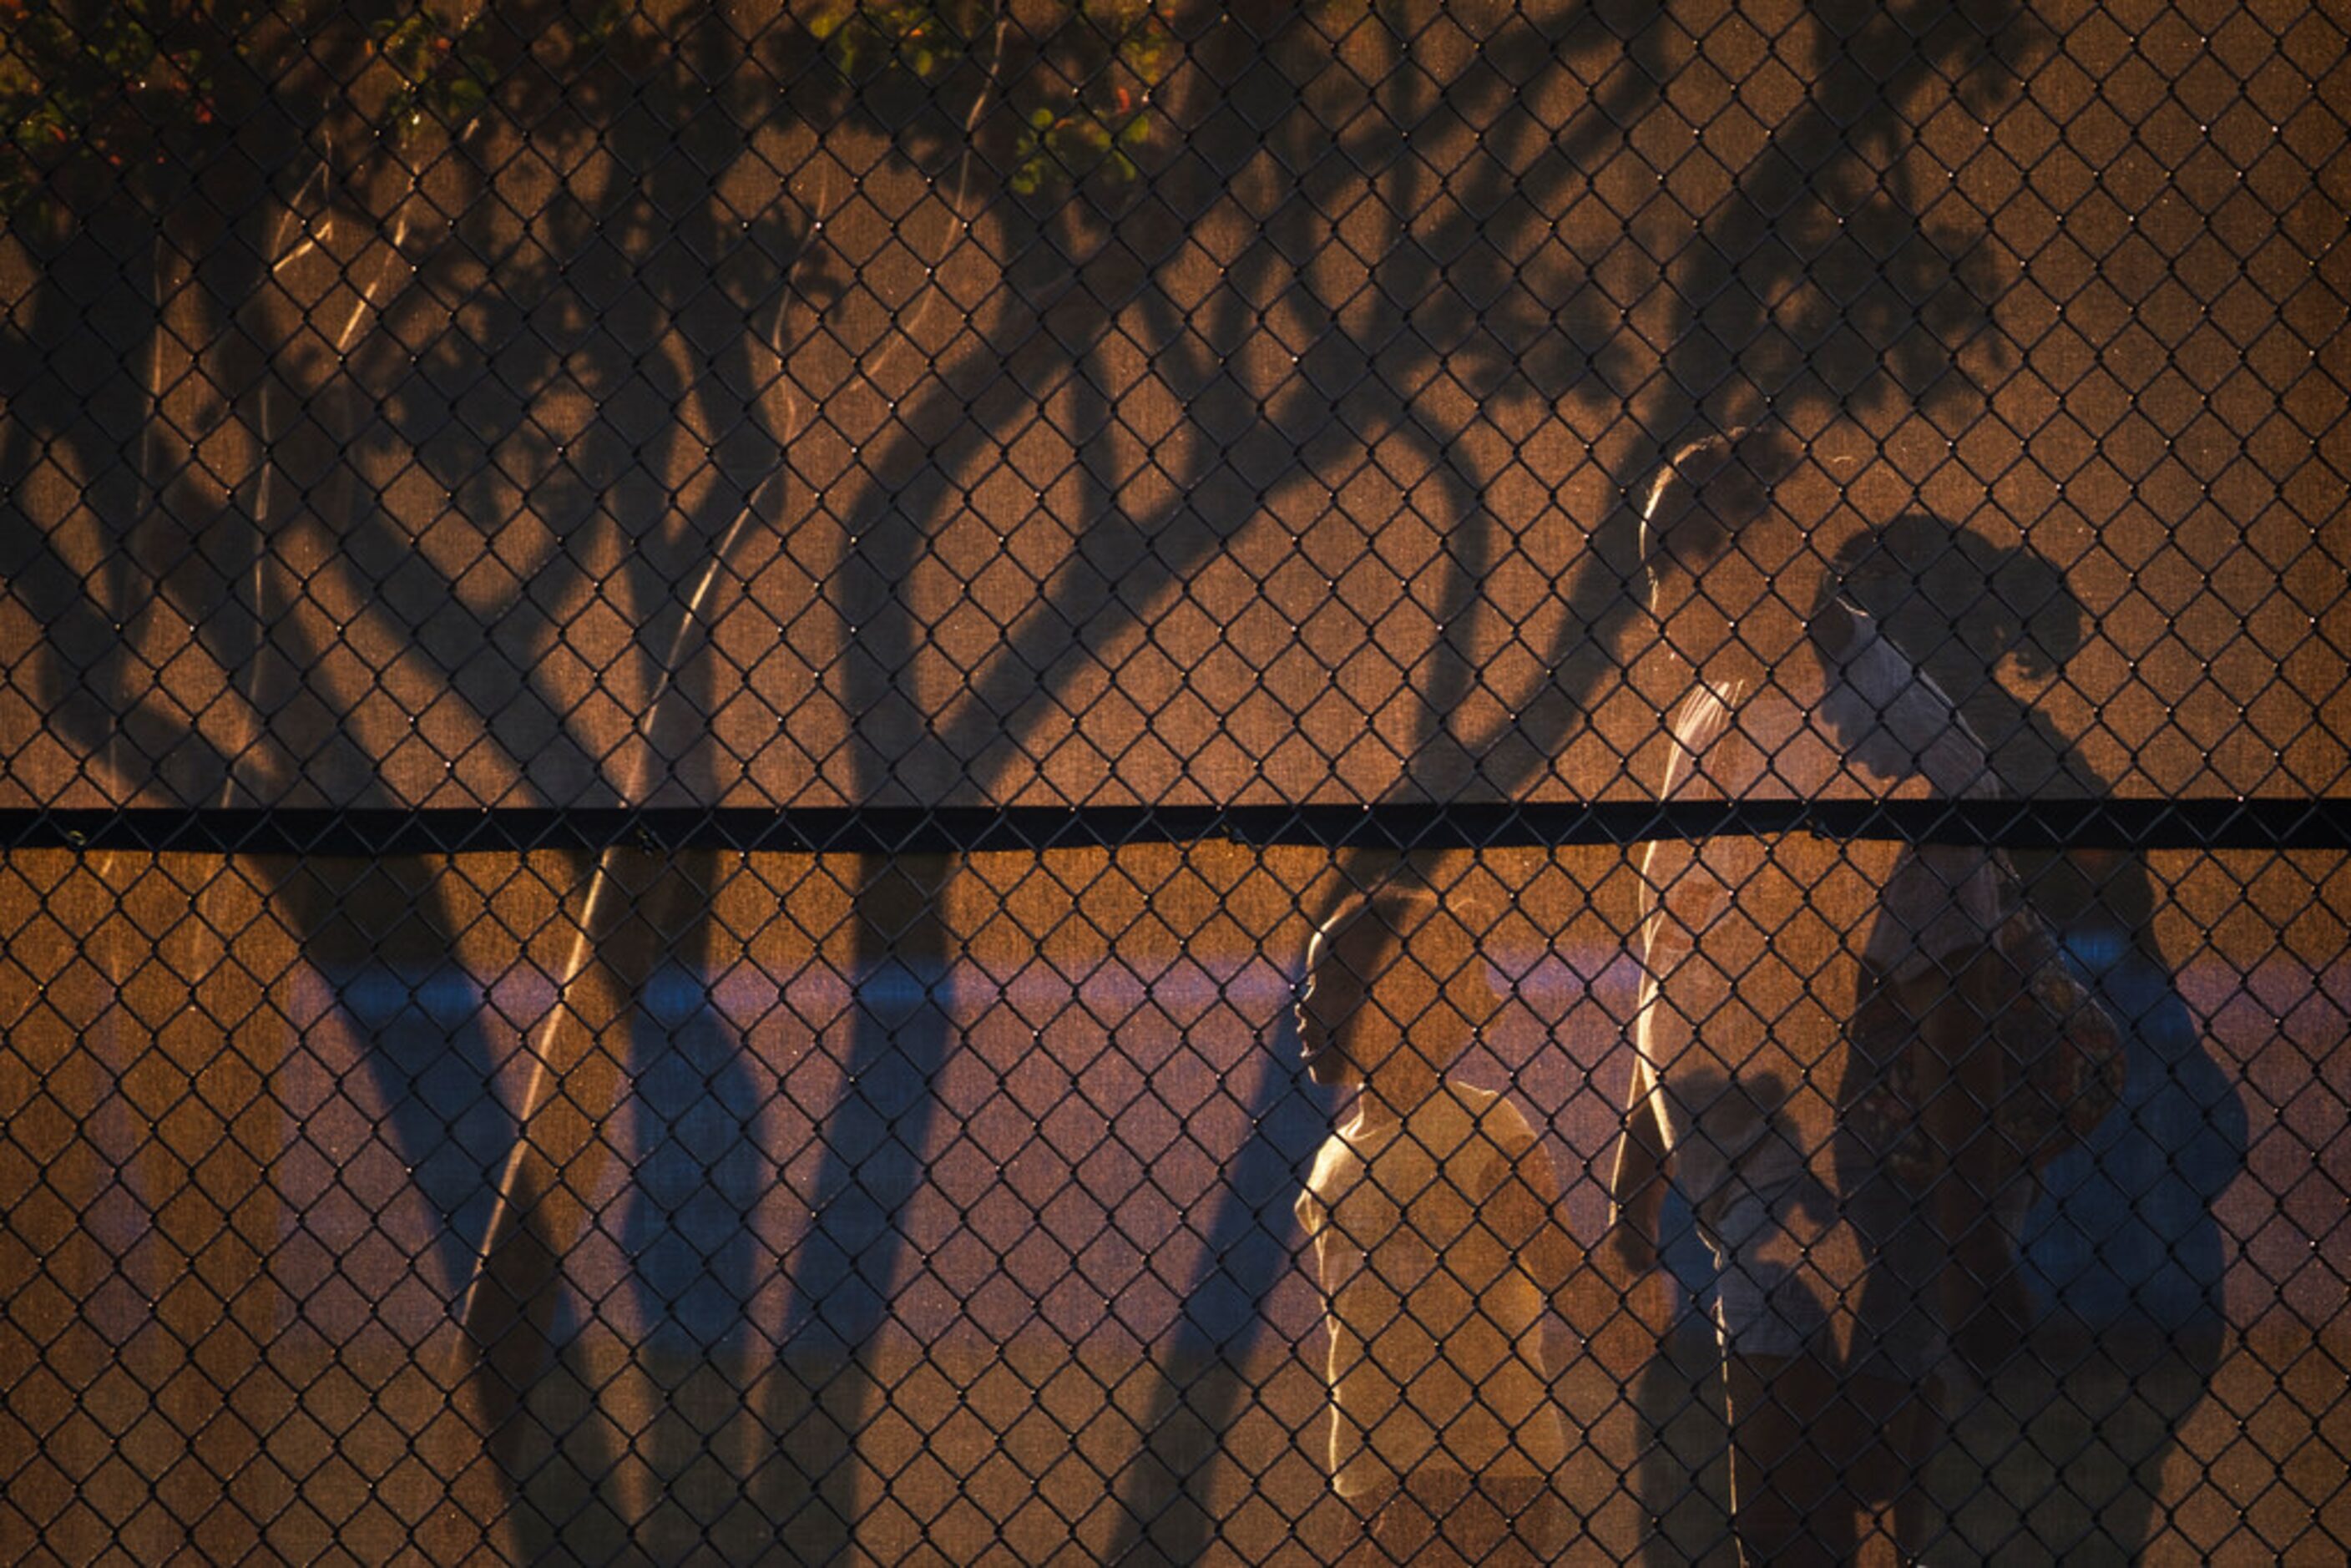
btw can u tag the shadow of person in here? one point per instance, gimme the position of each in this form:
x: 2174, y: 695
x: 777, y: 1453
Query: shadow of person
x: 2120, y: 1251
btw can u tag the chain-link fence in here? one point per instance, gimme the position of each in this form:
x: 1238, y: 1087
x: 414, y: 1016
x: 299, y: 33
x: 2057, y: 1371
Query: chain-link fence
x: 680, y: 687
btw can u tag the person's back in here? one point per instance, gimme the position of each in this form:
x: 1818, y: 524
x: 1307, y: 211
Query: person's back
x: 1436, y: 1325
x: 1430, y: 1216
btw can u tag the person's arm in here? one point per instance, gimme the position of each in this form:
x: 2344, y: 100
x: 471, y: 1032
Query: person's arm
x: 1311, y: 1217
x: 1522, y: 1209
x: 1636, y: 1190
x: 1627, y: 1274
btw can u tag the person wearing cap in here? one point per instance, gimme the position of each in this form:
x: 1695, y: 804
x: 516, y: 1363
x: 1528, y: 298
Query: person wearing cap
x: 1430, y: 1213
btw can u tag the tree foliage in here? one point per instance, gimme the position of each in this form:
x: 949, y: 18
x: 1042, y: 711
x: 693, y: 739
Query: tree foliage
x: 1079, y: 76
x: 138, y: 95
x: 135, y: 88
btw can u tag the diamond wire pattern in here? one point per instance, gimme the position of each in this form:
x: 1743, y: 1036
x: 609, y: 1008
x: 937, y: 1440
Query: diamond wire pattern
x: 1087, y: 405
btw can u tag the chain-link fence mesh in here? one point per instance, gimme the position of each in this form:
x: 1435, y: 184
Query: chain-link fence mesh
x: 679, y: 686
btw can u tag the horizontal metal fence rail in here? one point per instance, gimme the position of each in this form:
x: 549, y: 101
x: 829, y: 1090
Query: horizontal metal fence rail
x: 2285, y: 823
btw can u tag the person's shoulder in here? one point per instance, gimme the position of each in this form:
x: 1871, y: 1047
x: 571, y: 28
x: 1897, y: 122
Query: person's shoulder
x: 1701, y: 716
x: 1471, y: 1098
x: 1337, y: 1165
x: 1496, y: 1116
x: 1708, y: 756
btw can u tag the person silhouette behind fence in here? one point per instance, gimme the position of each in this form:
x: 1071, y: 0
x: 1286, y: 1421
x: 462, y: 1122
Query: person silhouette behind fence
x: 1819, y: 1033
x: 2125, y: 1238
x: 1431, y: 1212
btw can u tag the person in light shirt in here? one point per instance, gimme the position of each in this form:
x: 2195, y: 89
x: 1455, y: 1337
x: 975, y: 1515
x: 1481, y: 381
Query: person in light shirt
x: 1431, y: 1214
x: 1806, y: 1050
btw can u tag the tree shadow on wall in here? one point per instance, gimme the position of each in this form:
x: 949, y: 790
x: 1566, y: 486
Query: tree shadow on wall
x: 149, y: 336
x: 1816, y: 286
x: 649, y: 302
x: 300, y: 284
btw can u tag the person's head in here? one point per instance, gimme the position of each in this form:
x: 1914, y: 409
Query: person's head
x: 1959, y: 604
x: 1394, y: 988
x: 1719, y: 548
